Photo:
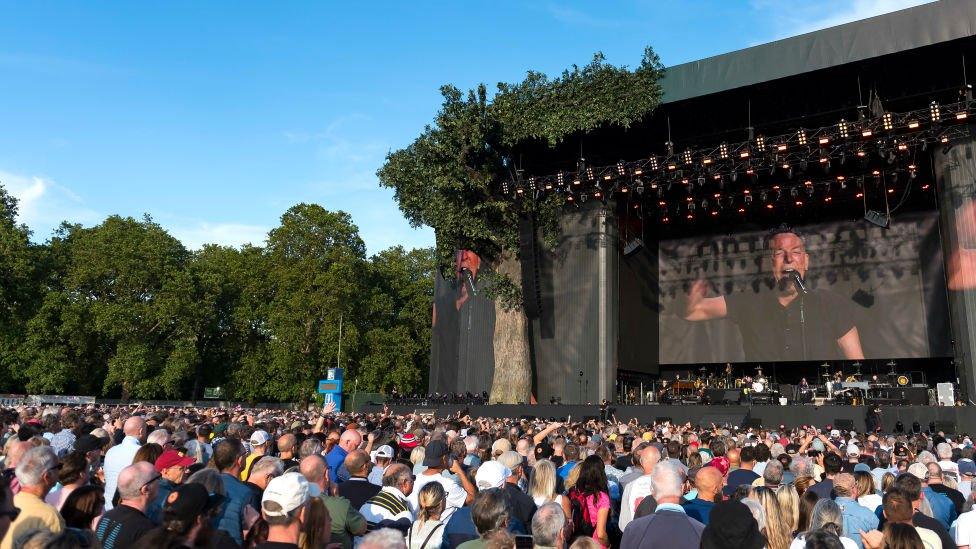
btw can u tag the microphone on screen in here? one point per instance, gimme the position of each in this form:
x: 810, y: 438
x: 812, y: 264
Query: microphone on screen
x: 797, y: 280
x: 470, y: 279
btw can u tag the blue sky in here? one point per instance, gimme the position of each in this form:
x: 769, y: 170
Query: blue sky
x: 216, y: 117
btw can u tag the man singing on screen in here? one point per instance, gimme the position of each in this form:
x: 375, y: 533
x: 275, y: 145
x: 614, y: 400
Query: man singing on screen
x: 785, y: 323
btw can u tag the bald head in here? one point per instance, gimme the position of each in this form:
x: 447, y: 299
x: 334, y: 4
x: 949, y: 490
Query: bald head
x: 313, y: 468
x: 649, y: 457
x: 733, y: 455
x: 708, y: 480
x: 134, y: 427
x: 350, y: 440
x: 357, y: 463
x: 286, y: 444
x: 15, y: 452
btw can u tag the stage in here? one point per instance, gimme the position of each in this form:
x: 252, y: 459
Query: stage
x: 952, y: 419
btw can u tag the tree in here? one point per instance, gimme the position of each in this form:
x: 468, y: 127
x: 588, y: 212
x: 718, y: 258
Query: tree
x: 19, y: 291
x: 448, y: 178
x: 313, y: 280
x: 397, y: 343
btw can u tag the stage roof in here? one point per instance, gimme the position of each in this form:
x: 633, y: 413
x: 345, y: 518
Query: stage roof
x: 895, y: 32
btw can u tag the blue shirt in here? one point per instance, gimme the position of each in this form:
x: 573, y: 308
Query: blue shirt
x: 942, y: 508
x: 563, y: 471
x: 334, y: 460
x: 699, y: 510
x: 857, y: 518
x: 239, y: 496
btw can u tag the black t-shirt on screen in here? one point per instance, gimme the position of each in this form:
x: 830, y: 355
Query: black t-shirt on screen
x: 771, y: 332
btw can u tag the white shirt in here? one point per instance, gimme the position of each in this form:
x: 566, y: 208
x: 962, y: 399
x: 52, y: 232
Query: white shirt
x: 950, y: 467
x: 871, y: 501
x: 455, y: 494
x: 376, y: 513
x: 759, y: 467
x: 417, y: 535
x: 634, y: 493
x: 118, y: 458
x: 964, y: 529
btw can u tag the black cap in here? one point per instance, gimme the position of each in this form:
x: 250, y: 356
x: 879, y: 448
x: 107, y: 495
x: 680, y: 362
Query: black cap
x: 732, y: 526
x: 189, y: 501
x: 543, y: 450
x: 88, y: 443
x: 434, y: 452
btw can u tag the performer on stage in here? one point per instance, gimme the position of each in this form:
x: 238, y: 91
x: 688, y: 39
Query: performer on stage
x: 804, y: 385
x: 786, y: 323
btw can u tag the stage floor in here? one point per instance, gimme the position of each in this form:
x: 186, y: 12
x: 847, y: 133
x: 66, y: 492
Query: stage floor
x: 952, y: 419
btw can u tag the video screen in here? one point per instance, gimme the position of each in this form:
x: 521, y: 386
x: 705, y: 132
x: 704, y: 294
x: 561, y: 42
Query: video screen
x: 834, y: 291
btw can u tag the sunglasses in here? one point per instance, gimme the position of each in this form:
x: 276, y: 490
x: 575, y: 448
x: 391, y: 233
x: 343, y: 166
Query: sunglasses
x: 152, y: 480
x: 13, y: 514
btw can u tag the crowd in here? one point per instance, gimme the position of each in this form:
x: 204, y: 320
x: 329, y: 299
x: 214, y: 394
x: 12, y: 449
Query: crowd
x: 91, y: 476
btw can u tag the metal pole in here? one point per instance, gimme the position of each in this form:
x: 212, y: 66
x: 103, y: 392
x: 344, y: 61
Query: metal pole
x: 339, y: 352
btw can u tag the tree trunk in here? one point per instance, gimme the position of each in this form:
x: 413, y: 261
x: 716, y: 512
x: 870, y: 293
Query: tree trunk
x: 512, y: 382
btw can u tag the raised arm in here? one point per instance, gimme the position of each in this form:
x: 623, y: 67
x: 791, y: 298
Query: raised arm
x: 698, y: 307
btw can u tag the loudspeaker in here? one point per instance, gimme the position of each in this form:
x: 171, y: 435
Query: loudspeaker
x: 844, y: 424
x: 528, y: 258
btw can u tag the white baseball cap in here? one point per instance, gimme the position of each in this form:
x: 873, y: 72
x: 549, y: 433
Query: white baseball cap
x: 385, y: 451
x: 491, y: 474
x: 290, y: 491
x: 259, y: 437
x: 853, y: 450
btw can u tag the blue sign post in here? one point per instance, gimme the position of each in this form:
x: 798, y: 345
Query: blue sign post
x: 331, y: 387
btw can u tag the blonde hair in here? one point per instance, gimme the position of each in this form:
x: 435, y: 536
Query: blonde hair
x: 778, y: 533
x: 417, y: 454
x: 542, y: 481
x: 789, y: 506
x: 864, y: 482
x: 431, y: 501
x: 573, y: 476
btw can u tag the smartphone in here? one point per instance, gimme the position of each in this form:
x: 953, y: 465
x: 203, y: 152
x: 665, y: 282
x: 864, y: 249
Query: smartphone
x: 523, y: 541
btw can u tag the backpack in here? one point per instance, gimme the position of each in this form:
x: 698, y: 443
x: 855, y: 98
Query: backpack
x: 582, y: 527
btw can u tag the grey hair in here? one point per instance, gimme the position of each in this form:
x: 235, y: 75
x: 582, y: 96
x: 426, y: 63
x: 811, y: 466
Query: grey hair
x: 757, y: 511
x: 944, y: 450
x: 666, y: 480
x: 395, y: 478
x: 384, y: 538
x: 826, y: 511
x: 268, y: 464
x: 547, y: 523
x: 773, y: 473
x: 471, y: 443
x: 801, y: 466
x: 159, y: 436
x: 130, y: 484
x: 209, y: 479
x: 33, y: 464
x: 310, y: 447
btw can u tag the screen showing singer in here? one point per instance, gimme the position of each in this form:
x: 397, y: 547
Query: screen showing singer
x: 788, y: 321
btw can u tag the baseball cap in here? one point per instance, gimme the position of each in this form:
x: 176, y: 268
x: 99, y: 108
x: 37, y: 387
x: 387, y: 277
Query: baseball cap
x: 862, y: 467
x: 87, y: 443
x: 853, y: 450
x: 792, y: 449
x: 510, y: 459
x: 817, y: 445
x: 491, y: 474
x: 543, y: 450
x: 290, y: 491
x: 835, y: 433
x: 260, y: 437
x: 501, y: 445
x: 385, y: 451
x: 190, y: 500
x: 901, y: 450
x: 919, y: 471
x: 172, y: 458
x: 435, y: 450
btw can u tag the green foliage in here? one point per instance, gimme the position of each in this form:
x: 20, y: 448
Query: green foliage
x: 123, y: 309
x: 448, y: 177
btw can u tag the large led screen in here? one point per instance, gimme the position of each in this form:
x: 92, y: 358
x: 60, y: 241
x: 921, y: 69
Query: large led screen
x: 833, y: 291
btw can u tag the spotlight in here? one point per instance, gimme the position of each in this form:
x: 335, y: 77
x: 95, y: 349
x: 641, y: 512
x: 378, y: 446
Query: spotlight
x: 827, y: 199
x: 824, y: 140
x: 744, y: 154
x: 913, y: 125
x: 638, y: 171
x: 801, y: 137
x: 576, y: 182
x: 560, y: 180
x: 624, y: 189
x: 781, y: 147
x: 843, y: 131
x: 621, y: 168
x: 548, y: 185
x: 672, y: 167
x: 925, y: 187
x: 723, y: 150
x: 867, y: 133
x: 653, y: 163
x: 742, y: 210
x: 706, y: 161
x: 798, y: 203
x: 589, y: 173
x: 686, y: 156
x: 886, y: 121
x: 769, y: 206
x: 505, y: 188
x: 761, y: 144
x: 714, y: 213
x: 934, y: 112
x: 902, y: 146
x: 665, y: 219
x: 961, y: 115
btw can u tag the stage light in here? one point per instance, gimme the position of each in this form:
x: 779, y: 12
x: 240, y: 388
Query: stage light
x: 860, y: 153
x: 548, y: 185
x: 653, y: 163
x: 840, y: 178
x: 801, y: 137
x: 706, y: 161
x: 867, y: 133
x: 653, y: 184
x: 597, y: 194
x: 859, y: 195
x: 723, y: 150
x: 934, y: 112
x: 824, y: 140
x: 890, y: 191
x: 925, y: 187
x: 823, y: 159
x: 689, y: 199
x: 690, y: 217
x: 624, y: 189
x: 685, y: 181
x: 781, y: 147
x: 638, y: 171
x: 636, y: 205
x: 961, y: 115
x: 714, y: 213
x: 662, y: 203
x: 717, y: 177
x: 672, y: 166
x: 886, y: 121
x: 769, y: 206
x: 607, y: 177
x: 686, y: 156
x: 786, y: 165
x: 621, y: 167
x: 798, y: 203
x: 560, y: 180
x: 665, y: 219
x: 576, y: 182
x: 589, y: 173
x: 902, y: 146
x: 761, y: 144
x: 569, y: 198
x: 744, y: 154
x: 843, y: 131
x: 716, y: 195
x: 875, y: 173
x: 944, y: 139
x: 742, y: 210
x: 913, y: 125
x: 749, y: 171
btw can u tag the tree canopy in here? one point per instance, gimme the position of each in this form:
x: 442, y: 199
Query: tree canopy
x: 123, y: 309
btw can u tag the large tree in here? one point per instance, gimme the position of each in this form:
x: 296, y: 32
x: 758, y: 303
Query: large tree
x: 449, y: 177
x: 19, y: 288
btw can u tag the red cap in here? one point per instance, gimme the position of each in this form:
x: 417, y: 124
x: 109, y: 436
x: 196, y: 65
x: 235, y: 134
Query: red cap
x: 721, y: 463
x: 172, y: 458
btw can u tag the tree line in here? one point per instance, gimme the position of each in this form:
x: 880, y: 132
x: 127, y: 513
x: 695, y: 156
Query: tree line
x: 124, y: 309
